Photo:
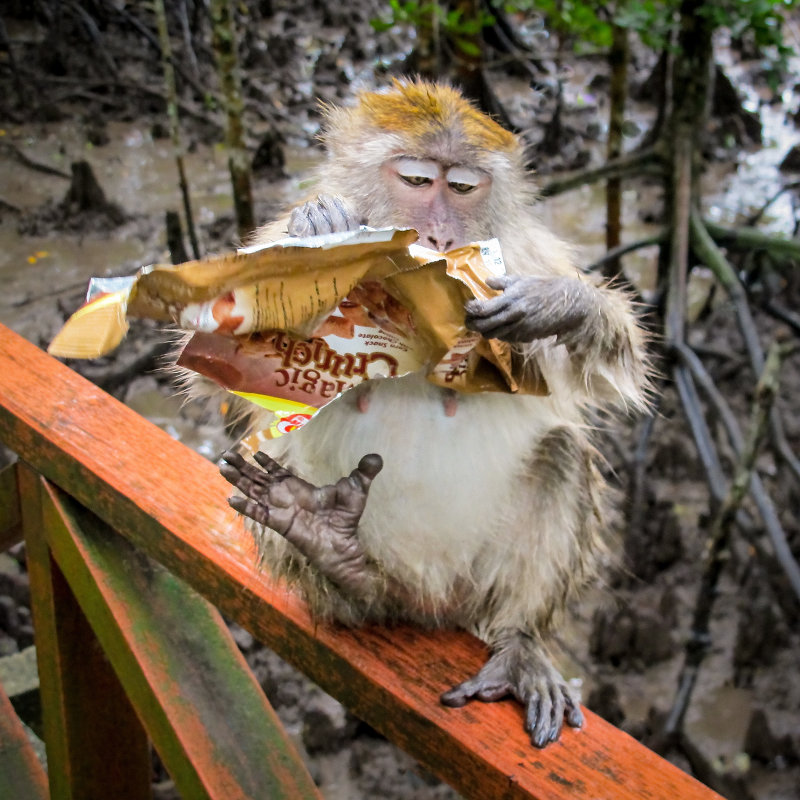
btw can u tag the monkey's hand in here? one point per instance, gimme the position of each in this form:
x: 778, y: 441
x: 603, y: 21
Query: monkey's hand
x: 521, y: 668
x: 321, y: 522
x: 530, y: 308
x: 326, y: 214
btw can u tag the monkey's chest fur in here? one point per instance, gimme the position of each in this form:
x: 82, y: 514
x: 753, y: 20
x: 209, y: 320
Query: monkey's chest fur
x: 485, y: 516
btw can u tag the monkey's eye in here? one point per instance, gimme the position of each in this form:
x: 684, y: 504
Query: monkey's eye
x: 462, y: 180
x: 416, y: 180
x: 416, y: 171
x: 461, y: 188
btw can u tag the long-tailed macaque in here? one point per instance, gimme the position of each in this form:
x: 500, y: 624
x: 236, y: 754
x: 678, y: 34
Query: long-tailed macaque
x: 484, y: 511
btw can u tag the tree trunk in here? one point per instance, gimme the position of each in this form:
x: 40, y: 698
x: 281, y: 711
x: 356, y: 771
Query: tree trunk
x: 618, y: 59
x: 690, y: 88
x: 226, y: 56
x: 86, y: 195
x: 172, y: 115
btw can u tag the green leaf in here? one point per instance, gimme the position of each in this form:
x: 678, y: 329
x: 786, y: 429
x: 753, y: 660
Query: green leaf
x: 468, y: 47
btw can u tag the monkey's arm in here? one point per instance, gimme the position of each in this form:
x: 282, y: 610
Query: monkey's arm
x: 321, y: 522
x: 595, y: 324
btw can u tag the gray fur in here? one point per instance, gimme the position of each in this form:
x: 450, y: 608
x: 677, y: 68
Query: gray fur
x: 493, y: 518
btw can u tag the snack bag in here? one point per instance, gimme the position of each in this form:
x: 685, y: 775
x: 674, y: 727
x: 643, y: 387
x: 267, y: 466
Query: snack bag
x: 293, y: 325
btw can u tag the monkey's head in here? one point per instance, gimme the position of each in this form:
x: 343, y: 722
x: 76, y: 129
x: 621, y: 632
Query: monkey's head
x: 420, y: 155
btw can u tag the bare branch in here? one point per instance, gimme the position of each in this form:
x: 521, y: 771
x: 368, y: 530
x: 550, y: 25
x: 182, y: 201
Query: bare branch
x: 777, y: 535
x: 710, y: 253
x: 642, y: 162
x: 700, y: 638
x: 624, y: 249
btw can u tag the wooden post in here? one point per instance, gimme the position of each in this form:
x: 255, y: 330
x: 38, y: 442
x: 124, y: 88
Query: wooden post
x: 96, y: 747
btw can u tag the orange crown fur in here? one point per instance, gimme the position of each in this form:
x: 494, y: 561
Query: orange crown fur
x: 418, y: 108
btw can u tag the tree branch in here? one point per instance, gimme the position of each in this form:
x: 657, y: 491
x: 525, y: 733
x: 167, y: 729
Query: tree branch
x: 700, y: 638
x: 775, y: 532
x: 642, y: 162
x: 624, y: 249
x: 753, y: 239
x: 709, y: 252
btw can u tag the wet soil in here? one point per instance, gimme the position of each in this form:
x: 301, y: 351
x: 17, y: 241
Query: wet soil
x: 627, y: 639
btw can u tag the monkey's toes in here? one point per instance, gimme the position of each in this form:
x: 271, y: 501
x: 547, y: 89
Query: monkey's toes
x: 549, y: 705
x: 370, y: 465
x: 476, y: 688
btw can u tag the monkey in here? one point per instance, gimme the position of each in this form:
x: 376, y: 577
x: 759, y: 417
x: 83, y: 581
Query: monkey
x: 404, y: 501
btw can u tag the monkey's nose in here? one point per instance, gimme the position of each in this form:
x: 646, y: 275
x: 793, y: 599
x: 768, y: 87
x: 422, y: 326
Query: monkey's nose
x: 439, y: 245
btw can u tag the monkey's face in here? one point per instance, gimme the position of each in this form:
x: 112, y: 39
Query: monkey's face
x: 444, y: 203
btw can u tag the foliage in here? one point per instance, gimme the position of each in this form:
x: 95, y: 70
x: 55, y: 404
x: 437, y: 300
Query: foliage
x: 590, y: 21
x: 760, y: 19
x: 452, y: 22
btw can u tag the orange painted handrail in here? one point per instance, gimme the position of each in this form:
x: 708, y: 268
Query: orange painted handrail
x: 171, y: 503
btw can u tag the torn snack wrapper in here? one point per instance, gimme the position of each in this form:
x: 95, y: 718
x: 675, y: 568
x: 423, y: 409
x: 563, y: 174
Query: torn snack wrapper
x: 292, y: 325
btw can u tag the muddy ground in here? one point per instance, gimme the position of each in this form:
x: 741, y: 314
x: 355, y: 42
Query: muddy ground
x: 82, y: 92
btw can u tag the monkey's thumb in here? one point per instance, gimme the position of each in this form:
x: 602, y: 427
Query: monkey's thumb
x: 369, y: 466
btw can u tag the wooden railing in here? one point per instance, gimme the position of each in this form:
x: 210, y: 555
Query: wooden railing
x: 128, y: 654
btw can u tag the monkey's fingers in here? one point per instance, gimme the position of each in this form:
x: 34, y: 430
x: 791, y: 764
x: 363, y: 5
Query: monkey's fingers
x: 351, y: 492
x: 271, y: 466
x: 480, y: 309
x: 502, y: 282
x: 250, y: 508
x: 326, y: 214
x: 237, y: 469
x: 369, y: 466
x: 338, y: 214
x: 504, y: 323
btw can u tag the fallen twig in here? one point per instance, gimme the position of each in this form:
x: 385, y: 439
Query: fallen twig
x: 16, y: 153
x: 746, y: 238
x: 754, y: 218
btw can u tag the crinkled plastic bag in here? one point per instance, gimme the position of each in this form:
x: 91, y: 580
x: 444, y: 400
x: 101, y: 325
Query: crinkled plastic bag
x: 292, y: 325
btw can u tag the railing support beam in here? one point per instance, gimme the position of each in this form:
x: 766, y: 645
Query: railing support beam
x: 96, y: 747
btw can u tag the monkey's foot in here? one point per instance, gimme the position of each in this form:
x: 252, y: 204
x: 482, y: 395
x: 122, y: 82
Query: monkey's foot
x: 521, y: 668
x: 320, y: 521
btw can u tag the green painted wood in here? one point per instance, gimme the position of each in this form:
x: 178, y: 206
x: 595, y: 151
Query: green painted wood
x: 171, y: 503
x: 22, y: 777
x: 10, y: 519
x: 96, y: 747
x: 199, y: 702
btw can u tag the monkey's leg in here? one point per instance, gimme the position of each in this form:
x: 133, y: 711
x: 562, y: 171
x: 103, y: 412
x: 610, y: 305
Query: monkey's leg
x: 321, y: 522
x: 519, y: 666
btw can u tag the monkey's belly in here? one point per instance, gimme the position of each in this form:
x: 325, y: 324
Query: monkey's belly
x: 448, y: 484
